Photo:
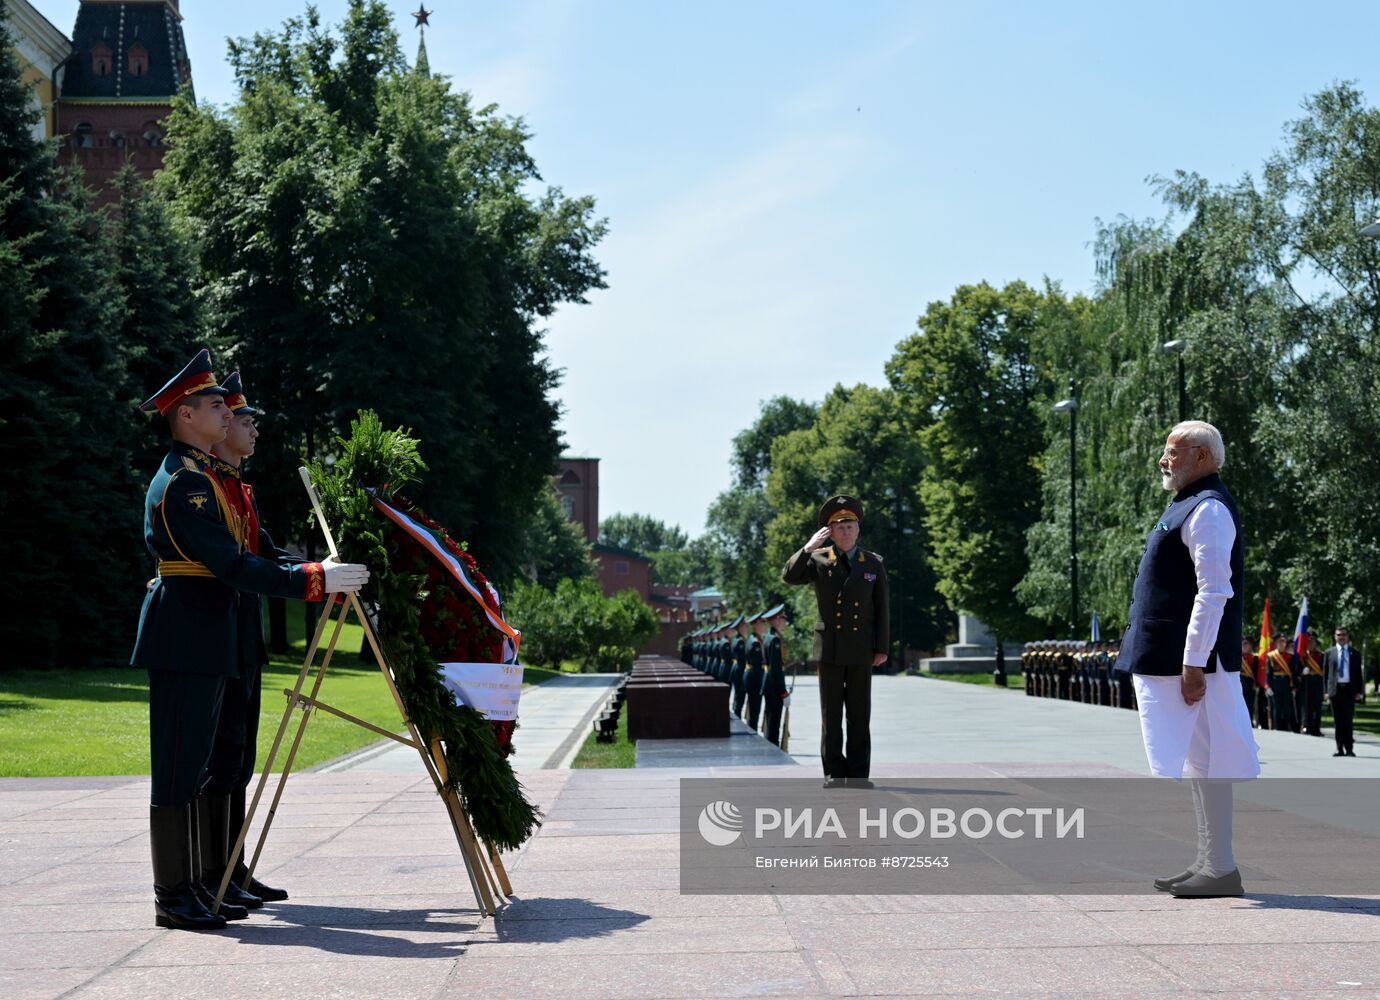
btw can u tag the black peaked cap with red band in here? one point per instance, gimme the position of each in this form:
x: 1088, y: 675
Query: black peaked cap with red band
x: 196, y: 379
x: 234, y: 397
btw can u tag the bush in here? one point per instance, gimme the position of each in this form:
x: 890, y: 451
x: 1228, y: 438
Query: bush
x: 577, y: 622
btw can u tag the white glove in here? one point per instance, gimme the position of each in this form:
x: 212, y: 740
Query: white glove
x: 344, y: 578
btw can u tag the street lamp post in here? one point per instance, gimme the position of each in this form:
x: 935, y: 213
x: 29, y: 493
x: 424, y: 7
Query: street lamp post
x: 1177, y: 347
x: 1070, y: 406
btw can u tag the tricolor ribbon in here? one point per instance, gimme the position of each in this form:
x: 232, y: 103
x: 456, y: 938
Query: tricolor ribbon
x: 428, y: 540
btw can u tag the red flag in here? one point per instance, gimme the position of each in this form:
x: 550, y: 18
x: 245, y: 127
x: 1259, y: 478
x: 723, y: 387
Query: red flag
x: 1266, y: 644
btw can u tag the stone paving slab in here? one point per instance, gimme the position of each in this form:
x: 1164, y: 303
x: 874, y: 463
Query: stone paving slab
x: 381, y: 905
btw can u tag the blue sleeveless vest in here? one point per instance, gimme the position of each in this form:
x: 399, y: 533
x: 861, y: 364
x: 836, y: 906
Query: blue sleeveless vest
x: 1162, y: 600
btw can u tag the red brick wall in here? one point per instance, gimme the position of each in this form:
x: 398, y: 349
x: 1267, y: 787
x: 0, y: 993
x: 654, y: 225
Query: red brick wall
x: 578, y: 484
x: 622, y: 572
x: 103, y: 158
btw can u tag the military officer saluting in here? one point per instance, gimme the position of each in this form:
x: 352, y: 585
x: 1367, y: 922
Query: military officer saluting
x: 851, y: 637
x: 774, y: 684
x: 188, y: 627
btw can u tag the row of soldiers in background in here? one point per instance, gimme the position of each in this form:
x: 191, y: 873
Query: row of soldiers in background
x: 746, y: 654
x: 1076, y: 671
x: 1284, y: 690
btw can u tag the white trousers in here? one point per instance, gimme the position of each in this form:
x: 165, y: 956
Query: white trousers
x: 1212, y: 739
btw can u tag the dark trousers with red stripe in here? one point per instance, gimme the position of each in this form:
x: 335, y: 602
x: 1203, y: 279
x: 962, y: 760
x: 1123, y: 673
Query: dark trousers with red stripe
x: 183, y: 712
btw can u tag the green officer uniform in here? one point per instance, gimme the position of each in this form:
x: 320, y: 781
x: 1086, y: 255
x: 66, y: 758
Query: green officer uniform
x: 853, y: 627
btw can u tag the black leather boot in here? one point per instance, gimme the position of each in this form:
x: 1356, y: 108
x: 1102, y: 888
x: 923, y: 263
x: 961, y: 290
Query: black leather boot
x: 241, y: 876
x: 202, y: 856
x: 175, y: 904
x: 216, y: 839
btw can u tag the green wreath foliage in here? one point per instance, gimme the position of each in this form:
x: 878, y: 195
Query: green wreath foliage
x: 387, y: 461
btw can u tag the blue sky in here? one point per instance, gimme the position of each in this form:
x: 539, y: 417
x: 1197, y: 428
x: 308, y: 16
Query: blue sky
x: 788, y: 184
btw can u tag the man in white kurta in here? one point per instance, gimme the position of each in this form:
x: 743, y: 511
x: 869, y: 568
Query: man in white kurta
x: 1184, y: 639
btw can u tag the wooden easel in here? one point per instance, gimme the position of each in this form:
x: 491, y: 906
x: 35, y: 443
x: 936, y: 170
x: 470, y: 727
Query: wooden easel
x: 487, y: 876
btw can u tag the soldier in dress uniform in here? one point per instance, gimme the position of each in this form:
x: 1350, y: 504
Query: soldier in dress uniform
x: 221, y: 805
x: 187, y: 638
x: 852, y: 636
x: 1311, y: 686
x: 756, y: 670
x: 738, y: 653
x: 1279, y: 671
x: 774, y: 689
x: 1248, y: 676
x: 723, y: 669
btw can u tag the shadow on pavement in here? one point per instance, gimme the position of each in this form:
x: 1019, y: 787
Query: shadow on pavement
x: 382, y: 933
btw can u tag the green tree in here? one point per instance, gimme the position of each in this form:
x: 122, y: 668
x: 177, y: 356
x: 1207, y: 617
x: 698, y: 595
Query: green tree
x: 688, y: 567
x: 575, y: 621
x: 367, y: 238
x: 861, y: 444
x: 971, y: 382
x: 555, y: 546
x: 161, y: 326
x: 641, y: 533
x: 738, y: 518
x: 70, y: 512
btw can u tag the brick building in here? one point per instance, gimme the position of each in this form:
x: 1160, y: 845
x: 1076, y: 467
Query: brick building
x: 128, y: 61
x: 577, y: 482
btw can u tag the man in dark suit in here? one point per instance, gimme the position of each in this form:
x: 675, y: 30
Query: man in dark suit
x: 852, y: 634
x: 1345, y: 688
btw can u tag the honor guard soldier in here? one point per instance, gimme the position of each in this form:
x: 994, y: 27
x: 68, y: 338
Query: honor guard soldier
x: 774, y: 685
x: 851, y: 637
x: 187, y: 638
x: 737, y: 652
x: 221, y: 805
x: 1248, y: 676
x: 1279, y: 671
x: 723, y: 646
x: 756, y: 670
x: 1312, y: 685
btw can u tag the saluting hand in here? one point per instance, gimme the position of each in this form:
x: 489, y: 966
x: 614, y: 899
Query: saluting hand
x: 344, y: 578
x: 817, y: 539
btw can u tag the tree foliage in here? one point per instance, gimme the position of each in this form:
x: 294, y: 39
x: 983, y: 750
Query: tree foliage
x: 575, y: 621
x: 367, y: 237
x: 861, y: 444
x: 970, y: 379
x: 641, y: 533
x: 738, y: 518
x: 555, y: 546
x: 71, y: 507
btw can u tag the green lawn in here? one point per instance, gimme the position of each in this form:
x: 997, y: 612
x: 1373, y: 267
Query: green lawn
x: 622, y: 752
x: 84, y: 722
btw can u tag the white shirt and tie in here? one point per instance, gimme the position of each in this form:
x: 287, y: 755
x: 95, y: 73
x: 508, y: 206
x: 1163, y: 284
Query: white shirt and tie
x: 1344, y: 664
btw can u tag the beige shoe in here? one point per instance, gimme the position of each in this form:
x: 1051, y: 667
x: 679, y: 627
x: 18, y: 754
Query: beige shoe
x: 1202, y: 886
x: 1163, y: 884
